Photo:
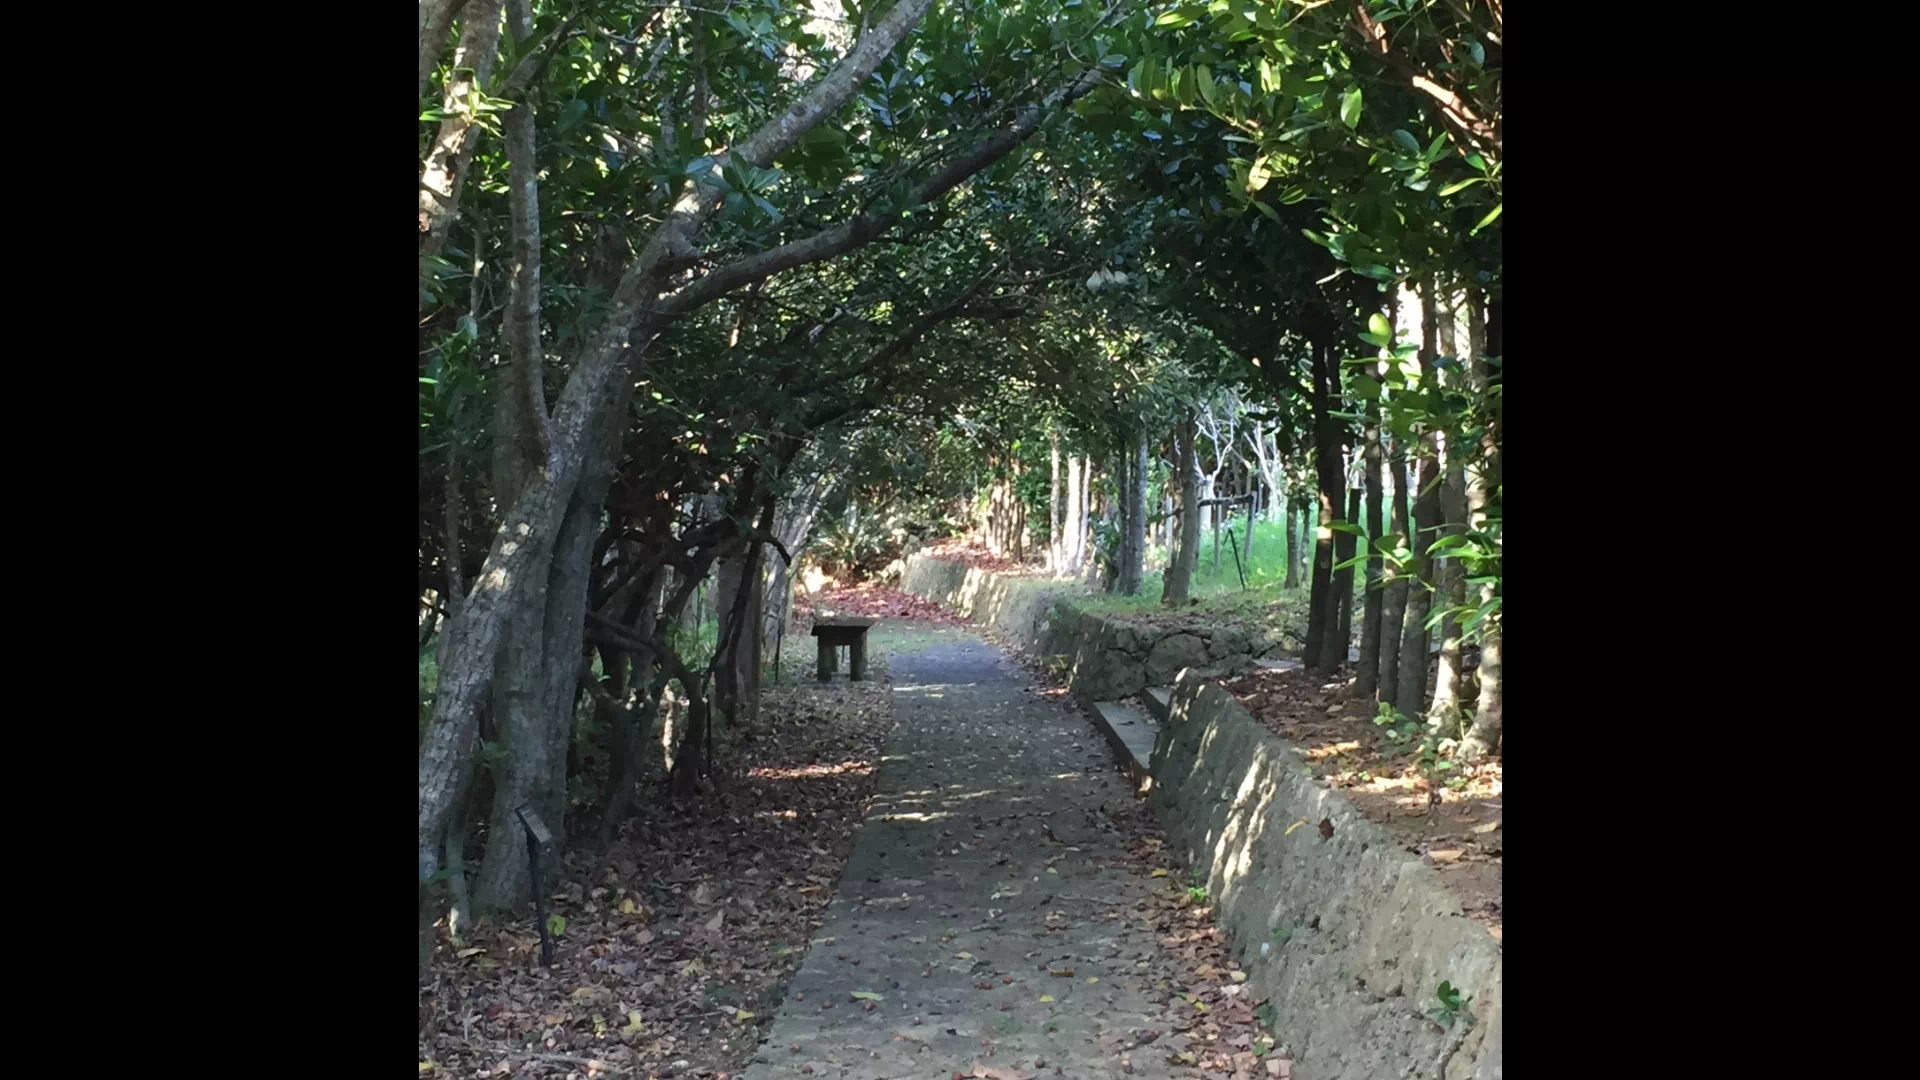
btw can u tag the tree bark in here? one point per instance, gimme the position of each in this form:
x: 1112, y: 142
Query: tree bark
x: 1449, y: 574
x: 445, y: 170
x: 1055, y: 549
x: 436, y: 21
x: 1321, y: 618
x: 1344, y: 545
x: 1136, y: 542
x: 1295, y: 537
x: 1393, y: 604
x: 1177, y: 582
x: 1410, y: 698
x: 1367, y: 681
x: 1484, y: 736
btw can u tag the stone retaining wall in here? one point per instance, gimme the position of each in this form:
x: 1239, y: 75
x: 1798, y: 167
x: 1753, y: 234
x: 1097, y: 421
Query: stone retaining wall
x: 1109, y: 658
x: 1347, y: 935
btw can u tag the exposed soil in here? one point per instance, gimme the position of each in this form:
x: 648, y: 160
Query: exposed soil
x: 1455, y: 827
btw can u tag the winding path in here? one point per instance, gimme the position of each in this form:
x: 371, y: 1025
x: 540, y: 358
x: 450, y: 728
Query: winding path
x: 987, y: 863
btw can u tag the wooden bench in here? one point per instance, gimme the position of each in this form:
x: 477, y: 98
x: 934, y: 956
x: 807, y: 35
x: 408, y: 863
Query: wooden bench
x: 834, y: 633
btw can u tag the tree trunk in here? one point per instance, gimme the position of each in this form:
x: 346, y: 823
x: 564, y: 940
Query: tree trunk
x: 1253, y: 515
x: 1177, y: 582
x: 1055, y: 553
x: 1344, y: 546
x: 1295, y: 536
x: 1484, y: 736
x: 1133, y: 544
x: 1393, y: 605
x: 1367, y: 681
x: 1426, y: 518
x: 445, y: 170
x: 1322, y: 620
x: 436, y: 21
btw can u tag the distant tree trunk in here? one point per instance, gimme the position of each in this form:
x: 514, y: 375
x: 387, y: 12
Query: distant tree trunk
x: 1449, y: 574
x: 1367, y: 681
x: 1344, y: 546
x: 1322, y: 619
x: 1411, y: 697
x: 1484, y: 736
x: 1253, y: 515
x: 1177, y: 583
x: 1290, y: 519
x: 1393, y: 605
x: 1054, y: 547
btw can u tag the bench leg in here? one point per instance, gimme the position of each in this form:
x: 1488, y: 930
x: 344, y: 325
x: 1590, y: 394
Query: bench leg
x: 829, y: 656
x: 857, y: 658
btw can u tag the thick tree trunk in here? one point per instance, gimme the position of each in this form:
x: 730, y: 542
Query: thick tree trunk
x: 1177, y: 582
x: 1322, y: 620
x: 1484, y: 736
x: 1367, y: 681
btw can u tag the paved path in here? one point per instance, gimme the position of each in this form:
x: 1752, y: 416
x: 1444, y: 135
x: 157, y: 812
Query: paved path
x: 982, y: 864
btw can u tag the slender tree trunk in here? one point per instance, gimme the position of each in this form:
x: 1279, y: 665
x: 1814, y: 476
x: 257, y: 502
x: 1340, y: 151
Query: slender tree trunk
x: 1344, y: 546
x: 1411, y: 696
x: 1295, y: 537
x: 1253, y: 515
x: 1135, y: 545
x: 1484, y: 736
x: 1055, y: 554
x: 1367, y: 681
x: 1393, y: 606
x: 1322, y: 619
x: 1177, y: 583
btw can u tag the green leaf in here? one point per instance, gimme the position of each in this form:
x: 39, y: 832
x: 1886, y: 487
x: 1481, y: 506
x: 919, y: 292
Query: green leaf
x: 1405, y: 139
x: 1489, y: 219
x: 1350, y: 108
x: 1175, y: 18
x: 557, y: 925
x: 867, y: 995
x: 1205, y: 75
x: 1477, y: 162
x: 1267, y: 210
x: 1378, y: 326
x: 1458, y: 185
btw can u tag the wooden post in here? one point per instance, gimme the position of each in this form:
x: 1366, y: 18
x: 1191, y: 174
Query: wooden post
x: 829, y: 659
x: 857, y: 657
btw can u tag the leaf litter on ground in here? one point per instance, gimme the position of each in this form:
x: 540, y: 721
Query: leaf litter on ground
x: 682, y: 935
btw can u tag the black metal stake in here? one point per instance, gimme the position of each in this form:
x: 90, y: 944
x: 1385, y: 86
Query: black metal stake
x: 1234, y: 545
x: 537, y: 835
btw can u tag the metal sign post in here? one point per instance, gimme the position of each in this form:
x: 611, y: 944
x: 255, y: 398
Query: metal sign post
x: 537, y: 837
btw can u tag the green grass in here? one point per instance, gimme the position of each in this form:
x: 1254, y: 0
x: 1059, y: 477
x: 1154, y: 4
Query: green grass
x: 1218, y: 585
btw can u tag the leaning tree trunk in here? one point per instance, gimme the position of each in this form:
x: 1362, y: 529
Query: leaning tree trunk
x: 1177, y: 582
x: 1485, y: 733
x: 595, y: 395
x: 1321, y: 618
x: 444, y: 172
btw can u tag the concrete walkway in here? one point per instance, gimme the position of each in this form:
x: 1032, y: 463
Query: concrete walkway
x: 979, y: 879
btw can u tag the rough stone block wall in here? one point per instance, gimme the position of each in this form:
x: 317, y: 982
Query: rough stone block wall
x: 1347, y: 935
